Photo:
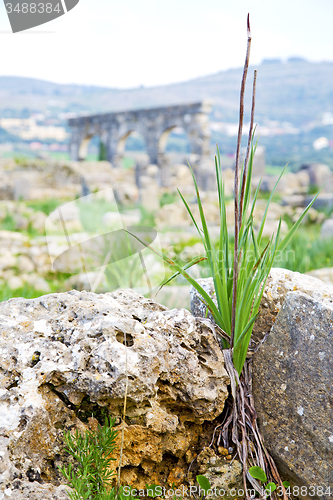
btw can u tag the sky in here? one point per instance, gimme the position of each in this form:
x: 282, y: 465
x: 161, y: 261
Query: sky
x: 129, y: 43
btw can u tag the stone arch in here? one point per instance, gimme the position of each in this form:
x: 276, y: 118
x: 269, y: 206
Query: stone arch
x: 81, y: 138
x: 164, y: 138
x: 122, y: 152
x: 154, y: 125
x: 167, y: 158
x: 83, y: 148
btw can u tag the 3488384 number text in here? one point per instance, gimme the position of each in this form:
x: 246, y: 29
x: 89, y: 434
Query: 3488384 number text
x: 33, y: 8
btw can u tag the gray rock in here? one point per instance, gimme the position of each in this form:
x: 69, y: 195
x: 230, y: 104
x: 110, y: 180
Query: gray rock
x: 198, y: 308
x: 320, y: 174
x: 293, y: 200
x: 63, y: 358
x: 292, y: 388
x: 326, y: 231
x: 325, y: 274
x: 324, y: 201
x: 23, y: 490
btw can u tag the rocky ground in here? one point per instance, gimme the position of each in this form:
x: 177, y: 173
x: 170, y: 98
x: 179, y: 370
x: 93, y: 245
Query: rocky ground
x: 33, y: 235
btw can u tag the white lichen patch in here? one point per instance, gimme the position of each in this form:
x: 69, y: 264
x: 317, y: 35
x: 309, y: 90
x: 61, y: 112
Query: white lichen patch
x: 41, y: 326
x: 9, y: 416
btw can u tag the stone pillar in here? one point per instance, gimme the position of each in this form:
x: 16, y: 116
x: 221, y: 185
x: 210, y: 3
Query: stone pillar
x: 74, y: 151
x: 151, y: 139
x: 111, y: 144
x: 199, y: 137
x: 74, y: 145
x: 149, y: 189
x: 164, y: 170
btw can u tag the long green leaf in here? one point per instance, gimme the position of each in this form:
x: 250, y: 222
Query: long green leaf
x: 192, y: 281
x: 193, y: 262
x: 267, y: 206
x: 292, y: 231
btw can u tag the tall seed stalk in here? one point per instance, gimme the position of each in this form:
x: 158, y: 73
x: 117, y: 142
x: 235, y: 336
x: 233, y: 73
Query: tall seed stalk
x: 238, y: 210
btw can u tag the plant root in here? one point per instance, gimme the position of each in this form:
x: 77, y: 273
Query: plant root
x: 240, y: 425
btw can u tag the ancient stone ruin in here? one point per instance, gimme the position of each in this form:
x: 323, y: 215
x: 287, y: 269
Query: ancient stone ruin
x: 153, y: 124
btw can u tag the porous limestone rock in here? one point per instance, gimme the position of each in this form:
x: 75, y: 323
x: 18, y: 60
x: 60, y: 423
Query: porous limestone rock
x: 292, y: 389
x: 64, y: 362
x: 225, y: 477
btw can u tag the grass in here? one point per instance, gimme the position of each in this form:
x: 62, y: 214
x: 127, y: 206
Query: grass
x: 8, y: 223
x: 94, y: 453
x: 315, y: 253
x: 47, y: 206
x: 128, y: 162
x: 92, y: 212
x: 27, y: 292
x: 275, y: 169
x: 147, y: 217
x: 168, y: 198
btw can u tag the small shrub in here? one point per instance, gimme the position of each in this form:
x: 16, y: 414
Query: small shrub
x: 93, y: 452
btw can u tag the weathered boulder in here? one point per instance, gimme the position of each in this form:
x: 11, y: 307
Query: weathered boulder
x: 198, y: 308
x: 292, y: 388
x: 64, y: 365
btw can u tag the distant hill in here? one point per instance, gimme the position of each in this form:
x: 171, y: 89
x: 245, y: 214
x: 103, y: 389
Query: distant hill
x: 297, y: 91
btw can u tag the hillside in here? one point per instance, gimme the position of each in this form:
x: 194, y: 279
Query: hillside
x: 297, y: 91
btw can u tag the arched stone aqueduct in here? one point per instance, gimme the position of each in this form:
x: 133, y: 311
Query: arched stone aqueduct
x: 153, y: 124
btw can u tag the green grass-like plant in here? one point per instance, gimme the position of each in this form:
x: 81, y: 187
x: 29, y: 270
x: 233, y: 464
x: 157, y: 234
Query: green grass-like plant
x: 240, y: 275
x: 239, y: 265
